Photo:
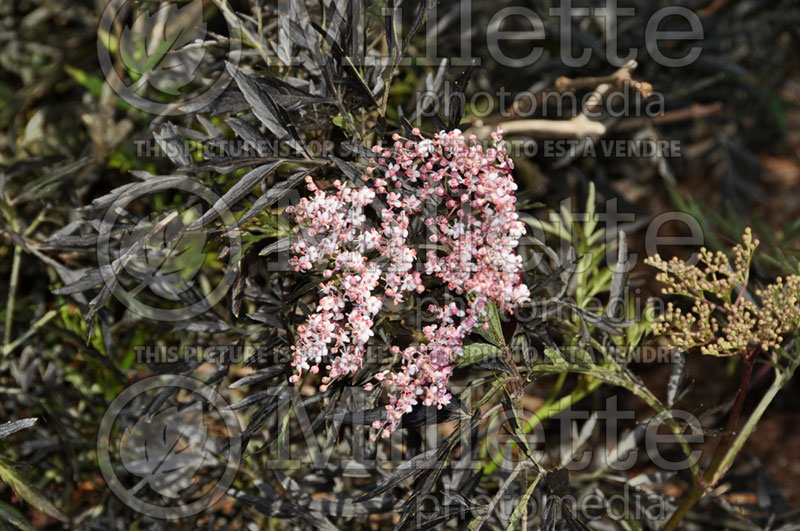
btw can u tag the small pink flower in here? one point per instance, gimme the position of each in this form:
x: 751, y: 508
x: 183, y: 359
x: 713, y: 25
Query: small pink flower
x: 368, y: 262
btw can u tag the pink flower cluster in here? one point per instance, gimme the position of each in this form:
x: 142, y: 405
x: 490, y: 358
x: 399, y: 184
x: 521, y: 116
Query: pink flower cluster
x: 466, y: 197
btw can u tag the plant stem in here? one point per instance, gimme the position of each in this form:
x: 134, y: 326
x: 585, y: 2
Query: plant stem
x: 545, y: 412
x: 688, y: 502
x: 748, y: 360
x: 625, y: 381
x: 12, y: 294
x: 723, y: 451
x: 43, y: 320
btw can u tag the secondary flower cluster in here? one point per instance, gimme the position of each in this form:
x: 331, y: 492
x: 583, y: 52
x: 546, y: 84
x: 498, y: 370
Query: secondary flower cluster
x: 446, y: 194
x: 724, y: 320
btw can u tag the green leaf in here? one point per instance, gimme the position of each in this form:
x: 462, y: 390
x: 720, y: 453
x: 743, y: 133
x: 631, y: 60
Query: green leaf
x: 495, y: 326
x: 516, y: 516
x: 485, y: 334
x: 10, y: 514
x: 477, y: 352
x: 498, y: 384
x: 580, y: 356
x: 590, y: 223
x: 11, y: 477
x: 93, y: 84
x: 556, y: 357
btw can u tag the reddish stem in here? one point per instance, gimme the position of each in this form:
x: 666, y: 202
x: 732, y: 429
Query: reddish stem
x: 728, y: 438
x: 748, y: 360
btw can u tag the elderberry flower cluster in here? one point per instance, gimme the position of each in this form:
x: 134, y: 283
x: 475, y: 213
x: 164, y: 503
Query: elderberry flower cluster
x: 447, y: 190
x: 724, y: 320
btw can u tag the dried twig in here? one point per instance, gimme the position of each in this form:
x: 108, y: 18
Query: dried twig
x: 580, y: 126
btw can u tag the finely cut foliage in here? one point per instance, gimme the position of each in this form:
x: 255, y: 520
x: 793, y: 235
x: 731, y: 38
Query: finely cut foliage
x: 404, y: 255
